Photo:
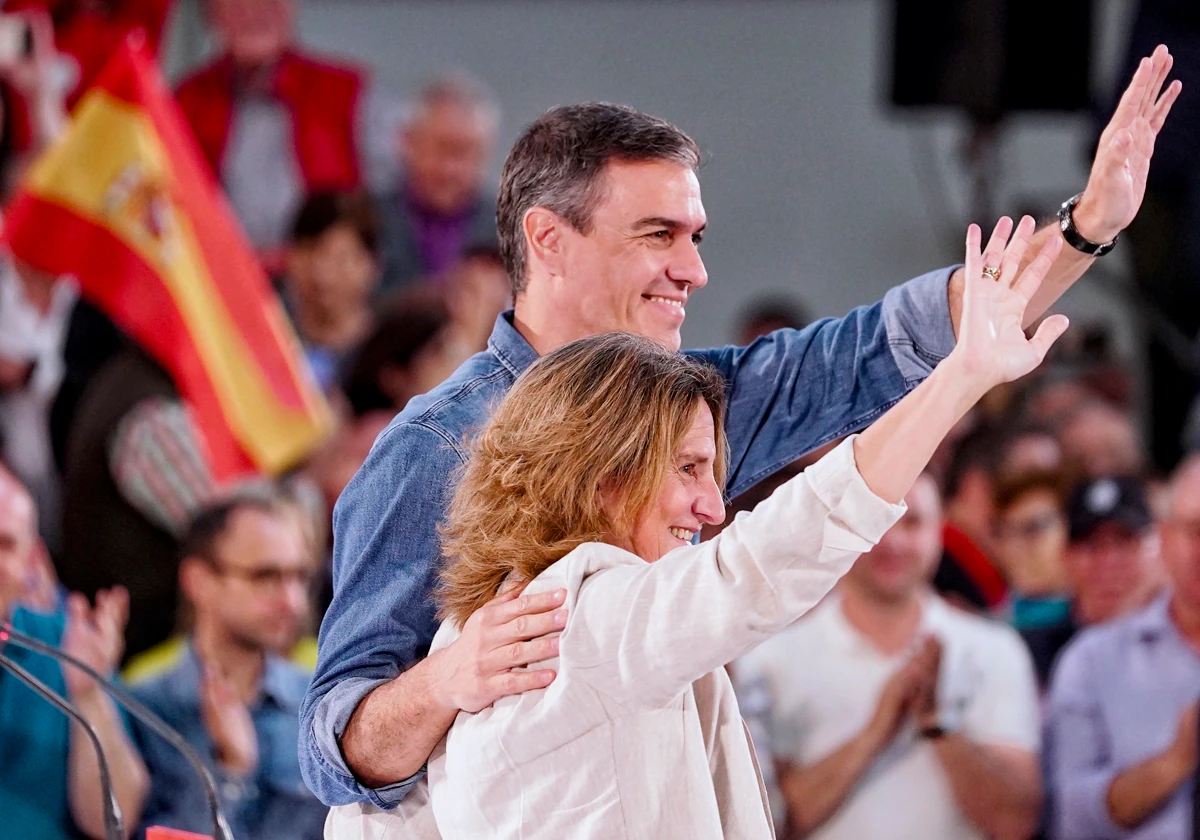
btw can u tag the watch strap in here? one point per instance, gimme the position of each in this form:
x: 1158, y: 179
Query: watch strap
x: 1066, y: 223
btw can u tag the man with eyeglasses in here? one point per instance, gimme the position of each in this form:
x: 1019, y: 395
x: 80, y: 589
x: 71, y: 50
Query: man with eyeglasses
x: 246, y: 574
x: 1111, y: 563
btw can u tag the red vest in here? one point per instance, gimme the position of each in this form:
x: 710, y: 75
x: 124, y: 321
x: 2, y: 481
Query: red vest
x: 322, y: 100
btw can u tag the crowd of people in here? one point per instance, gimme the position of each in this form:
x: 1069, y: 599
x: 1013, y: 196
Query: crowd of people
x: 1018, y: 656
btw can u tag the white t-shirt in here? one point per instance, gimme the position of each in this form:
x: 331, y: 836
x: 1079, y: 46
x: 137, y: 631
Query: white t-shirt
x: 824, y: 679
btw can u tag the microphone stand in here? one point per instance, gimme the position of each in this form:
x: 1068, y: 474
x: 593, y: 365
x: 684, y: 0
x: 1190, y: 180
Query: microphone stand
x: 221, y: 830
x: 112, y: 810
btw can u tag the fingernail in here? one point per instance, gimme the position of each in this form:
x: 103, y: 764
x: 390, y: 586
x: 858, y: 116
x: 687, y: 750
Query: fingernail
x: 560, y: 618
x: 560, y: 596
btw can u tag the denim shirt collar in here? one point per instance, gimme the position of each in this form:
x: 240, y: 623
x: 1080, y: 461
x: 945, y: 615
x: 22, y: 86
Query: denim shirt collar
x: 509, y: 346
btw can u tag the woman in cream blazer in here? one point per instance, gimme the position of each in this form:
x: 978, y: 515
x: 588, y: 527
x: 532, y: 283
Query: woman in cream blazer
x: 592, y: 476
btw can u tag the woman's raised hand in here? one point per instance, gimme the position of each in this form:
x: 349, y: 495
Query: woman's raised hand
x: 992, y: 347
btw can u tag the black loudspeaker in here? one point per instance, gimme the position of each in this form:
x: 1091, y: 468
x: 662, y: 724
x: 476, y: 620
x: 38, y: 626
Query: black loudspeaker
x: 991, y: 57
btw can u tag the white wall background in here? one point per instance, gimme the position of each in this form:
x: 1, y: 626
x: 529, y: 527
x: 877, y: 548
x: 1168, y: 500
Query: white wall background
x: 810, y: 184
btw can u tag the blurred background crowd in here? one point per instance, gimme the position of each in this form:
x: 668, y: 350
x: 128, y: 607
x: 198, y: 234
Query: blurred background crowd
x: 358, y: 144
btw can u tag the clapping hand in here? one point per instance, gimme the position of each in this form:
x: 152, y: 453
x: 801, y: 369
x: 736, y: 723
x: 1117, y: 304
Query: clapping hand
x: 992, y: 347
x: 95, y: 636
x: 228, y: 721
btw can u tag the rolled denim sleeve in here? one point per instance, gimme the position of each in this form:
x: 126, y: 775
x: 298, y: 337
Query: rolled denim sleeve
x: 381, y: 619
x: 1079, y: 766
x: 793, y: 391
x: 916, y: 318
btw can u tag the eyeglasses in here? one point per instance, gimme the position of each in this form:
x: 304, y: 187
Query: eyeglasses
x: 269, y: 577
x: 1029, y: 529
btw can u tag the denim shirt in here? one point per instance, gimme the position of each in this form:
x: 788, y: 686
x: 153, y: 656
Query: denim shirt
x: 789, y: 393
x: 270, y: 803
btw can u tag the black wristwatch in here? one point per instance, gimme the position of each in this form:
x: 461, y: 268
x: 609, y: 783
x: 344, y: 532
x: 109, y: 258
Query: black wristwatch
x: 1071, y: 233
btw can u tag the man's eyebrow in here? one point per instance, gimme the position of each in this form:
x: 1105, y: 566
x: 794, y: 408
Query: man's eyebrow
x: 695, y: 455
x: 663, y: 222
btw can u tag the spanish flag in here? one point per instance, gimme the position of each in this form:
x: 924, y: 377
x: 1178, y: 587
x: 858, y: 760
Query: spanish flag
x: 125, y: 203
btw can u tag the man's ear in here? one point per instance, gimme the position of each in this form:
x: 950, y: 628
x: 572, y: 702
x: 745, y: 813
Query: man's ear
x: 544, y: 240
x: 193, y: 574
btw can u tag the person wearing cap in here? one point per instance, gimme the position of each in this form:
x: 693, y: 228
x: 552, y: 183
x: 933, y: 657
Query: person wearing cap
x: 1121, y: 733
x: 1111, y: 561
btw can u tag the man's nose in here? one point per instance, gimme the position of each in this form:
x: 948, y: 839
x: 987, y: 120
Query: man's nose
x: 687, y: 266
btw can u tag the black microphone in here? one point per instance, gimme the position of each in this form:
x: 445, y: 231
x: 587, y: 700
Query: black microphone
x: 112, y: 810
x: 221, y: 830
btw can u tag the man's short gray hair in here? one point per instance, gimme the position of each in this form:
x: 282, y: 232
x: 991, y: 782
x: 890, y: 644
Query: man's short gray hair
x: 559, y: 162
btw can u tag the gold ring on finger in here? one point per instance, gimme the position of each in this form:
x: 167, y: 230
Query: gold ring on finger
x: 993, y: 273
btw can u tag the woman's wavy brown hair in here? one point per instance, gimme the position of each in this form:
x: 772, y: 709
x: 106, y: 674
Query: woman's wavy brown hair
x: 603, y: 412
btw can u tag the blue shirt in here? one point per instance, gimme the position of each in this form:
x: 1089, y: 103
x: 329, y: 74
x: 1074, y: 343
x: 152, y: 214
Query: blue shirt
x: 789, y: 393
x: 273, y: 802
x: 1116, y: 698
x: 34, y: 741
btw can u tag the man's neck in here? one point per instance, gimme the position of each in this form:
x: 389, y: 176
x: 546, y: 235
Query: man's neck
x: 243, y: 666
x: 890, y: 625
x: 535, y: 320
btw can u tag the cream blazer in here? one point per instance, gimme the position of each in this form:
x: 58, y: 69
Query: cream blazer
x: 639, y: 735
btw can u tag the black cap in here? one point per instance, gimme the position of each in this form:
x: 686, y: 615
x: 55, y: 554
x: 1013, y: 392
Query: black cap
x: 1102, y: 500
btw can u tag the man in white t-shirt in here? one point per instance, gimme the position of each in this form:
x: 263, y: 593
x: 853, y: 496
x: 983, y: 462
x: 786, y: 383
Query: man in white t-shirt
x: 893, y: 715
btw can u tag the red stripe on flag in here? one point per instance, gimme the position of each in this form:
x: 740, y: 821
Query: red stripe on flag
x: 131, y: 292
x: 228, y: 255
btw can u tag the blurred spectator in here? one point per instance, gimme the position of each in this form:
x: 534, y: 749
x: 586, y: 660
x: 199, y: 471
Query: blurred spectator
x: 34, y: 309
x: 1099, y: 439
x: 1031, y: 536
x: 893, y: 714
x: 1053, y: 395
x: 245, y: 573
x: 332, y: 270
x: 412, y: 349
x: 50, y: 778
x: 1111, y: 562
x: 477, y: 291
x: 1026, y: 449
x: 967, y: 575
x: 275, y: 122
x: 443, y: 204
x: 769, y: 314
x: 88, y: 32
x: 32, y: 344
x: 1122, y: 718
x: 135, y: 473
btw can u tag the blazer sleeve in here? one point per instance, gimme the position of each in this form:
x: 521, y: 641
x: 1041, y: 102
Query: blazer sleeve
x: 642, y: 632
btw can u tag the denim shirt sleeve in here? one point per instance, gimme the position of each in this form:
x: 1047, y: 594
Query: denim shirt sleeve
x: 795, y: 390
x: 381, y: 620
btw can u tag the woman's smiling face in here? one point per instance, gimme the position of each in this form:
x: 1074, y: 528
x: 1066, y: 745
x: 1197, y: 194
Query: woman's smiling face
x: 688, y: 498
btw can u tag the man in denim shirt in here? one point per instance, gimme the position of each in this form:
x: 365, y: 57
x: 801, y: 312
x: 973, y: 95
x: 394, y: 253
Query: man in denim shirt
x: 599, y: 219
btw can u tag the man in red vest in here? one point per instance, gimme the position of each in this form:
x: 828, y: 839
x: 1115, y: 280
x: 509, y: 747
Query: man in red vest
x: 274, y: 121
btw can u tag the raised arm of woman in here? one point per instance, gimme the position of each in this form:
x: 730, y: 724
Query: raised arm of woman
x: 641, y: 632
x: 992, y: 349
